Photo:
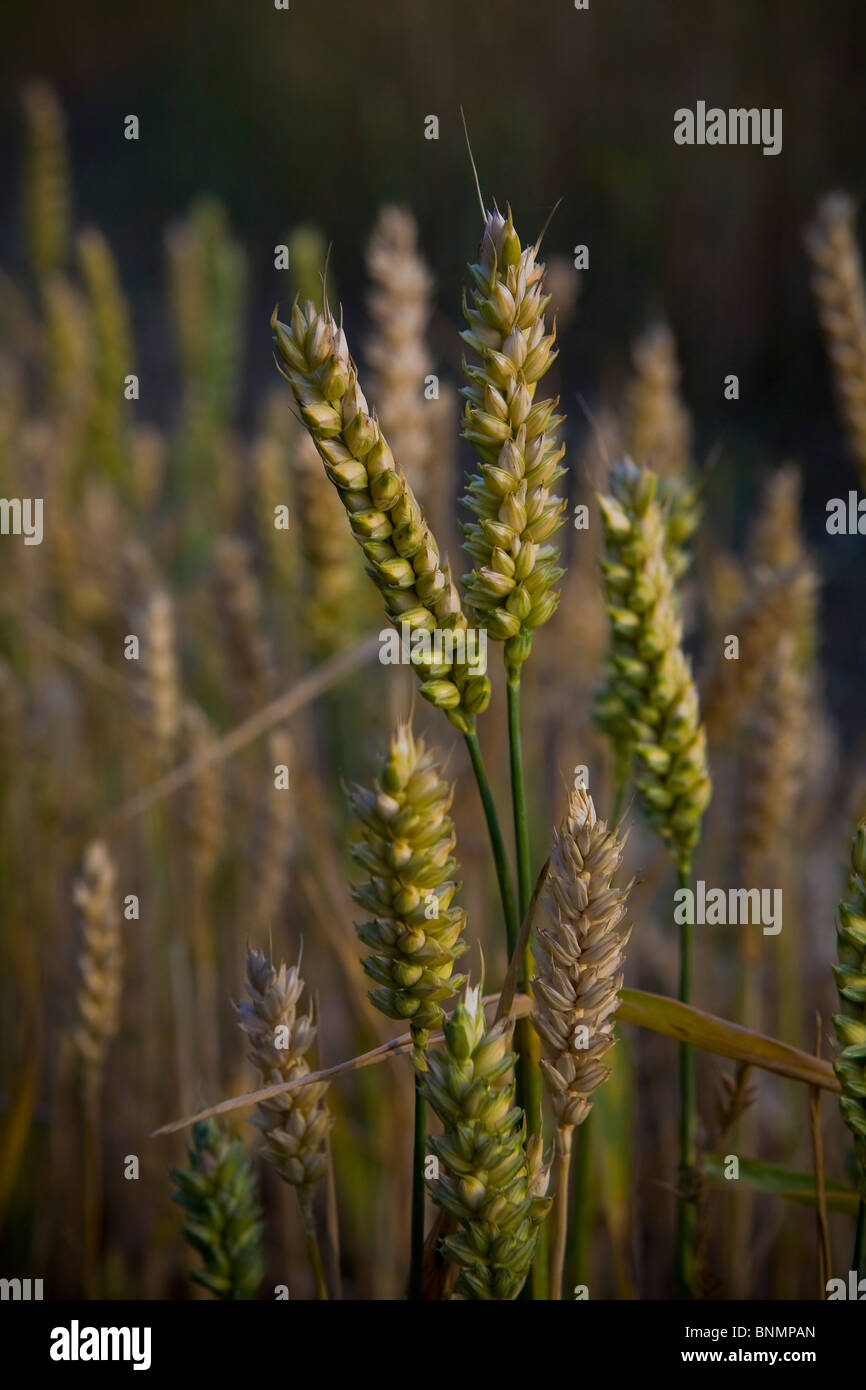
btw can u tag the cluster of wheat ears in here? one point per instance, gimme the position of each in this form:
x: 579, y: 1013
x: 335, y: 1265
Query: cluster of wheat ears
x: 211, y: 785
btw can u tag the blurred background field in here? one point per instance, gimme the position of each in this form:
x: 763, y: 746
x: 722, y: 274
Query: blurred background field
x: 256, y: 123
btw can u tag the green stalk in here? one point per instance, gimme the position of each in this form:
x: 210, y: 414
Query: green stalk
x: 518, y: 791
x: 860, y: 1241
x: 417, y: 1263
x: 316, y: 1266
x: 686, y: 1210
x: 503, y: 875
x: 529, y: 1072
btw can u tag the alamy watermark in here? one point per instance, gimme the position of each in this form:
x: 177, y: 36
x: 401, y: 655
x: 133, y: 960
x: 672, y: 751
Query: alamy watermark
x: 738, y: 125
x: 715, y: 907
x: 22, y: 516
x: 421, y: 647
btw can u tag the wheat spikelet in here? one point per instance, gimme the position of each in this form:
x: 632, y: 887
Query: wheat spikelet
x: 493, y: 1183
x: 295, y: 1124
x: 46, y: 185
x: 650, y: 704
x: 404, y: 843
x: 385, y: 517
x: 223, y: 1217
x: 514, y: 573
x: 850, y: 1024
x: 837, y: 283
x: 100, y: 961
x: 239, y: 607
x: 400, y: 306
x: 331, y: 573
x: 580, y: 959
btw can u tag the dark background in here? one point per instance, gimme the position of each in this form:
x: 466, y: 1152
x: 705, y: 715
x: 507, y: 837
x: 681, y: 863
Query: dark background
x: 318, y: 114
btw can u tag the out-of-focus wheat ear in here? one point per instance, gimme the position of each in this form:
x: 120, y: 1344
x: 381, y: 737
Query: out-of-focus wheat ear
x: 47, y: 214
x: 68, y: 345
x: 850, y: 1024
x: 147, y: 461
x: 332, y: 573
x: 295, y: 1124
x: 580, y: 957
x: 218, y: 1192
x: 160, y: 680
x: 400, y: 305
x: 659, y: 435
x: 274, y: 515
x: 248, y: 651
x: 274, y: 830
x: 100, y: 963
x: 840, y: 296
x: 113, y: 356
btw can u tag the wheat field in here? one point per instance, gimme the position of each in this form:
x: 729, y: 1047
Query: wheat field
x: 537, y: 971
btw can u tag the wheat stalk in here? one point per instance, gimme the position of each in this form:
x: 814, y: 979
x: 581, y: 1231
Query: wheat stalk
x: 399, y: 306
x: 385, y: 517
x: 514, y: 572
x: 580, y: 958
x: 493, y: 1183
x: 837, y: 283
x: 223, y: 1217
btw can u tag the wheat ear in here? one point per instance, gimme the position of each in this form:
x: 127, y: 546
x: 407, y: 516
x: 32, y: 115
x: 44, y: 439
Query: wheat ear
x: 658, y: 433
x: 399, y: 306
x: 404, y: 844
x: 113, y: 354
x: 512, y: 584
x: 295, y: 1124
x: 491, y: 1181
x: 580, y: 958
x: 223, y: 1217
x: 384, y: 514
x: 101, y: 966
x: 850, y: 1024
x: 46, y: 184
x: 650, y: 704
x: 837, y: 283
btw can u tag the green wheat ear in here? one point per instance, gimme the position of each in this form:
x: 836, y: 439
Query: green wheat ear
x: 850, y: 973
x: 223, y: 1217
x: 491, y: 1180
x: 649, y: 705
x: 404, y: 844
x: 512, y: 584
